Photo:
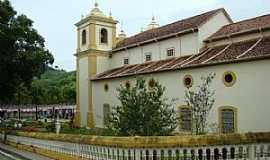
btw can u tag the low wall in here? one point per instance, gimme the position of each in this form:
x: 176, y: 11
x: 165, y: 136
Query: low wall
x: 248, y: 146
x: 155, y: 141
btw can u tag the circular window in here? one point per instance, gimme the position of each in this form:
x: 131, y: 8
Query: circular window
x: 188, y: 81
x: 127, y: 84
x: 106, y: 87
x: 229, y: 78
x: 151, y: 83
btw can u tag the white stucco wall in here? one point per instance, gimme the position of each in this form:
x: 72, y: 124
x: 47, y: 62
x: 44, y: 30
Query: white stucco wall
x: 184, y: 45
x: 250, y: 93
x: 211, y: 26
x: 83, y: 89
x: 103, y: 63
x: 189, y: 44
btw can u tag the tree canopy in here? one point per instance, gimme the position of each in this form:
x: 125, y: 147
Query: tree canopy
x: 143, y: 110
x: 23, y: 55
x: 55, y: 86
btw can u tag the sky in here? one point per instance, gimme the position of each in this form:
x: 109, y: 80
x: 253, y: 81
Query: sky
x: 55, y: 19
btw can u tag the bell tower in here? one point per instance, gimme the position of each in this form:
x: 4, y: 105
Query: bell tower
x: 96, y: 37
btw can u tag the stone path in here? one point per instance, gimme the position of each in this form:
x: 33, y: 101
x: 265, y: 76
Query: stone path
x: 24, y: 154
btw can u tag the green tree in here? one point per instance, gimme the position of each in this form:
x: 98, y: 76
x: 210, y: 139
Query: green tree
x: 143, y: 110
x: 54, y: 87
x: 22, y: 52
x: 201, y: 102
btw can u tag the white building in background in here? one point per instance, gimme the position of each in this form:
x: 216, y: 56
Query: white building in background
x: 177, y: 55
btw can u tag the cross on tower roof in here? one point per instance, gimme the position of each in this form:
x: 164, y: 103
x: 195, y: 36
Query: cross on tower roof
x: 96, y: 3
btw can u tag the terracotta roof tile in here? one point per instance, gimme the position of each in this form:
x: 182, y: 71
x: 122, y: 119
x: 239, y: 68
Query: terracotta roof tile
x: 242, y: 26
x: 199, y: 59
x: 262, y: 49
x: 234, y: 50
x: 176, y: 63
x: 123, y: 69
x: 176, y: 27
x: 157, y: 65
x: 253, y: 50
x: 138, y: 68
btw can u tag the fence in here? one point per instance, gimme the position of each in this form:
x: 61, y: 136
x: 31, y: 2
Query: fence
x: 252, y: 151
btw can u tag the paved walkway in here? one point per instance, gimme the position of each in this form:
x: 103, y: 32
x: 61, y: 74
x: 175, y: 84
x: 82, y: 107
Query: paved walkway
x: 24, y: 154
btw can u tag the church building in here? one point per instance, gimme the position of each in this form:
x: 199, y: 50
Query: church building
x: 178, y: 55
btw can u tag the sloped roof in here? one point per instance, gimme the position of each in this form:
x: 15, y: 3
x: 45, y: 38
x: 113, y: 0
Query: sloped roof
x: 184, y: 25
x: 256, y: 23
x: 242, y: 51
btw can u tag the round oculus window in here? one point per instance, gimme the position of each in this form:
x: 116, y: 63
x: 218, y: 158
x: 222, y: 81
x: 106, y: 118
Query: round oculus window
x: 229, y: 78
x: 151, y: 83
x: 106, y: 87
x: 127, y: 84
x: 188, y: 81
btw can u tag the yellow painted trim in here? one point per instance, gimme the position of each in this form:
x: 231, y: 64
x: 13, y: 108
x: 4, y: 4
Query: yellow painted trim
x: 92, y: 36
x: 235, y: 112
x: 114, y: 36
x: 155, y: 141
x: 78, y: 39
x: 95, y: 18
x: 151, y: 80
x: 104, y: 25
x: 77, y: 121
x: 92, y: 70
x: 233, y: 76
x: 44, y: 152
x: 184, y: 107
x: 90, y: 52
x: 191, y: 83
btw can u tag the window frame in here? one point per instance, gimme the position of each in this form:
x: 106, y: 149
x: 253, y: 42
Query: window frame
x: 234, y: 78
x: 180, y: 118
x: 105, y: 117
x: 148, y: 54
x: 235, y: 120
x: 101, y: 36
x: 106, y: 87
x: 191, y: 81
x: 124, y: 60
x: 168, y: 49
x: 83, y: 37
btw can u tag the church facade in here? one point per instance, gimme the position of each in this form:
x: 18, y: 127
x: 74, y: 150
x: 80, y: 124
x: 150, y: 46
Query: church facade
x: 178, y: 55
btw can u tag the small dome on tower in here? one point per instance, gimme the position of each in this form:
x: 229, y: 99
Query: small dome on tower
x: 96, y: 11
x: 122, y: 34
x: 153, y: 24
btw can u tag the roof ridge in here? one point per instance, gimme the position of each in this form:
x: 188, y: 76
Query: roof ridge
x: 185, y: 25
x: 184, y: 19
x: 249, y: 19
x: 243, y: 26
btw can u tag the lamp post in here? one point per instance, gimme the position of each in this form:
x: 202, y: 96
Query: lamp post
x: 36, y: 112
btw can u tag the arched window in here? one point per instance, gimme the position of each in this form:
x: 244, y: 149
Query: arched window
x: 103, y: 36
x: 83, y: 37
x: 228, y: 119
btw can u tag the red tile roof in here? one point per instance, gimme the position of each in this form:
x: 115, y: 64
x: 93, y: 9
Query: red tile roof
x: 242, y: 26
x: 188, y: 24
x: 241, y: 51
